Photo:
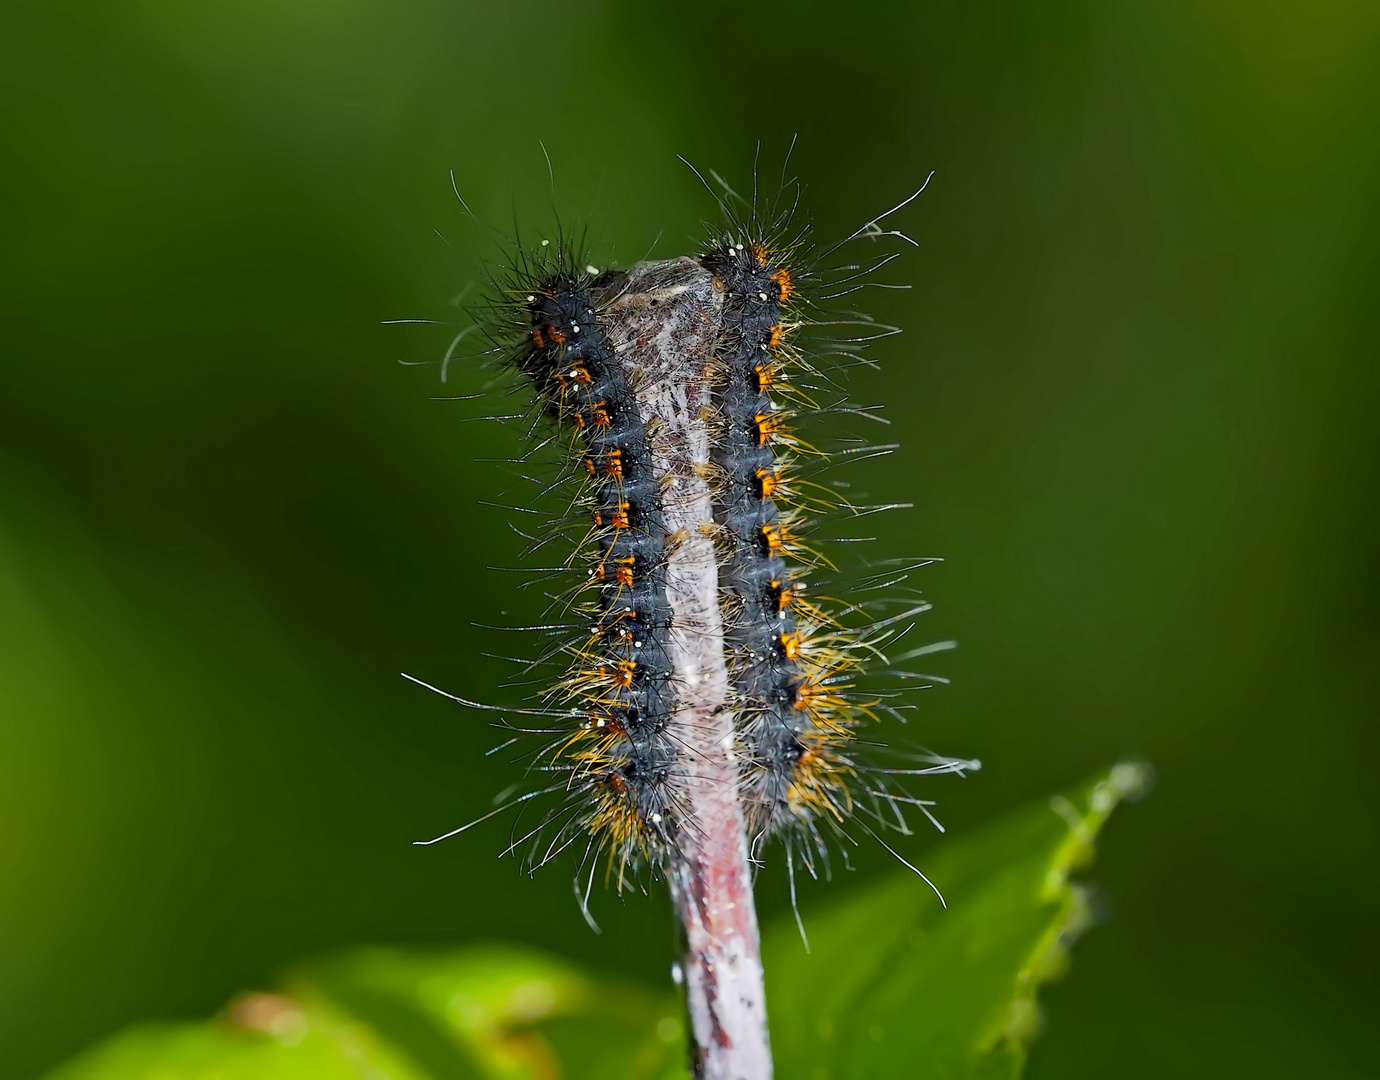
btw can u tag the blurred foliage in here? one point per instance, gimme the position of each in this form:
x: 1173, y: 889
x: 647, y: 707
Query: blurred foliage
x: 1135, y: 396
x: 892, y: 986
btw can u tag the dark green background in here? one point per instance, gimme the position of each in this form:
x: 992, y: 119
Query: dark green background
x: 1136, y: 394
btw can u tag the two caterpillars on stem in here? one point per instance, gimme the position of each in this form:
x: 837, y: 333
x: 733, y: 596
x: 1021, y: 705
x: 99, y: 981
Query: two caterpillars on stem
x: 675, y: 387
x: 709, y: 695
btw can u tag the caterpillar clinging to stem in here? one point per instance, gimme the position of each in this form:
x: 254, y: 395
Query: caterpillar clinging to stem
x: 708, y: 701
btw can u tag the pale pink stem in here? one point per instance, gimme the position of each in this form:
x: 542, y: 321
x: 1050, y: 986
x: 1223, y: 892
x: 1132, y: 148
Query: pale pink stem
x: 664, y: 325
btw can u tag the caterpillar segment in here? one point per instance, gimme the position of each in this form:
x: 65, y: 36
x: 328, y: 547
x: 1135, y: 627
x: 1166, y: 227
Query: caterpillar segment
x: 618, y: 685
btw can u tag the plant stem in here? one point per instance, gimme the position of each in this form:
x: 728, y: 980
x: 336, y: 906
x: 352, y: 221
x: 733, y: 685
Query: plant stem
x: 665, y: 324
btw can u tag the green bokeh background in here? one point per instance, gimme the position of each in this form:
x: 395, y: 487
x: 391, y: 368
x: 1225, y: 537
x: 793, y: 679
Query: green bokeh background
x: 1136, y: 394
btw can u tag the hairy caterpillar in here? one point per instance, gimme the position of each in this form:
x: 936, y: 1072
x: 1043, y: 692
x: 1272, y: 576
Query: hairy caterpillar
x: 706, y: 702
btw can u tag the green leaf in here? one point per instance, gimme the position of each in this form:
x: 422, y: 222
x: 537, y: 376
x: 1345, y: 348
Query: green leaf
x: 896, y: 985
x: 506, y: 1012
x: 494, y: 1013
x: 260, y: 1037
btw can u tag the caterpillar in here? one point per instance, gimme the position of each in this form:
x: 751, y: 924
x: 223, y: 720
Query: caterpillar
x: 706, y: 701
